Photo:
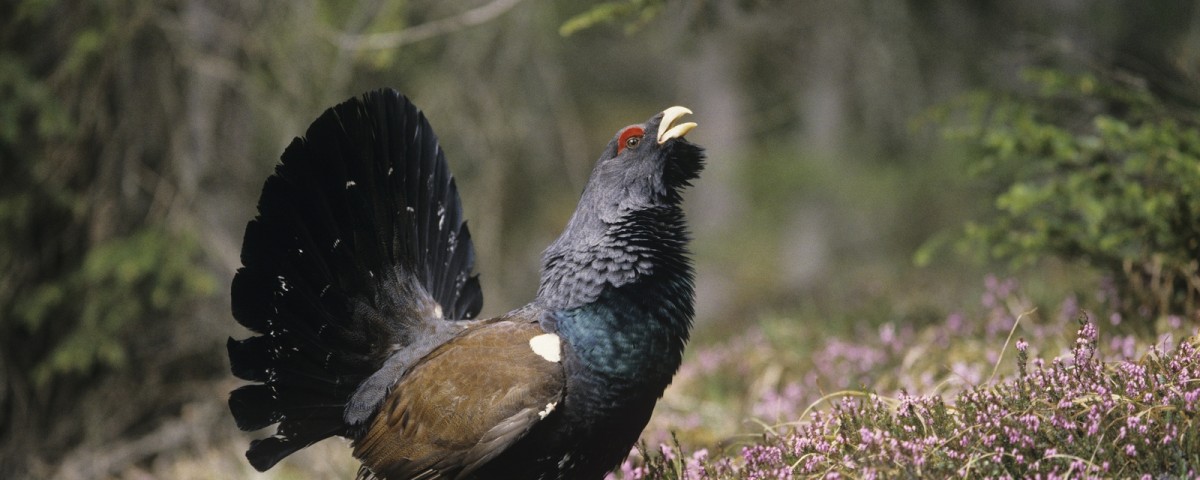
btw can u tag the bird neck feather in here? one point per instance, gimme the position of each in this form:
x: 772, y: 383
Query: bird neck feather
x: 623, y: 301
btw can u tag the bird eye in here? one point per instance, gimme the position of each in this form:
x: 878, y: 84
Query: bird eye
x: 630, y: 137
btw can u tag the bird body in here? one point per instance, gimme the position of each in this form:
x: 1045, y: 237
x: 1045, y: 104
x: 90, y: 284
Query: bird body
x: 358, y: 277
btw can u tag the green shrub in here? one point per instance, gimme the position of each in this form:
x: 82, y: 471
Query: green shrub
x: 1094, y: 168
x: 121, y: 285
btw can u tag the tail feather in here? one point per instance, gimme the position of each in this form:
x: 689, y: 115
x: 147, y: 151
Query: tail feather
x: 359, y: 235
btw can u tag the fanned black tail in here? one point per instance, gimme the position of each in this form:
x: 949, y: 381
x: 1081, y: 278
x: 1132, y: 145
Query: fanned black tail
x: 358, y: 242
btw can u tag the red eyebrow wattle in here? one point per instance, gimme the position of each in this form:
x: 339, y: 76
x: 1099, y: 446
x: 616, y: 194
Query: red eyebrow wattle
x: 630, y: 131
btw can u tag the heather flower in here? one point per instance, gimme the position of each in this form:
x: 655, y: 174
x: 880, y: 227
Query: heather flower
x: 1080, y: 412
x: 1000, y: 430
x: 954, y: 323
x: 667, y: 452
x: 627, y: 471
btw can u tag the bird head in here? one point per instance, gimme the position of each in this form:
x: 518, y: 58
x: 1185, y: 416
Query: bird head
x: 632, y: 196
x: 645, y: 165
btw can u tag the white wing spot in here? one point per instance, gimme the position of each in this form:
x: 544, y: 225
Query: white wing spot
x: 547, y: 346
x: 546, y: 411
x: 350, y: 183
x: 437, y: 311
x: 565, y: 462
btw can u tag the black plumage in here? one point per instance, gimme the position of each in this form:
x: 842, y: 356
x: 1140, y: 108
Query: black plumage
x: 358, y: 280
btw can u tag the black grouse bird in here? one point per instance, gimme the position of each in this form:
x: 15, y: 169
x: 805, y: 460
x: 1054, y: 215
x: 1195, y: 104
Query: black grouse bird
x: 358, y: 279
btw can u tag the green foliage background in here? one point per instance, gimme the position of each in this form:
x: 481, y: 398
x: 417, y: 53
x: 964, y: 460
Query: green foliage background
x: 135, y: 136
x: 1091, y: 167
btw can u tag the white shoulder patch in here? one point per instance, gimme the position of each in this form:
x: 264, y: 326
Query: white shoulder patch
x: 546, y: 411
x: 547, y: 346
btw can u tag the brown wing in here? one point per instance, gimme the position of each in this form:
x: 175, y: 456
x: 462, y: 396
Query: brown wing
x: 463, y: 404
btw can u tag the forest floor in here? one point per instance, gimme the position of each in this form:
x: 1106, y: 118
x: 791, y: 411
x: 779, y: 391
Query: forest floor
x: 1010, y: 384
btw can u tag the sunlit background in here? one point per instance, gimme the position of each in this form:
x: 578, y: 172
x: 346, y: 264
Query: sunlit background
x: 135, y: 136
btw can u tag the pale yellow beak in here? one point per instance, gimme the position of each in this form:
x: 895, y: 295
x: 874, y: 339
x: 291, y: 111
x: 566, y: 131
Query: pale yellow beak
x: 666, y: 129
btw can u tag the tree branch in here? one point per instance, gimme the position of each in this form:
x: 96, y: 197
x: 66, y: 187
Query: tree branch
x: 425, y: 31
